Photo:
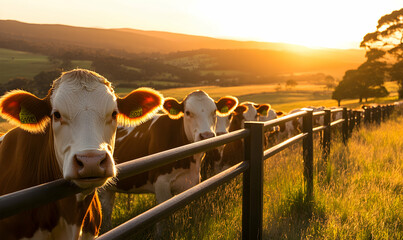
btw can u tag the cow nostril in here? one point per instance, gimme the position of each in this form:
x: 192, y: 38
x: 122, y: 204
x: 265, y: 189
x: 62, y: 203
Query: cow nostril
x: 206, y: 135
x: 103, y: 163
x: 79, y: 162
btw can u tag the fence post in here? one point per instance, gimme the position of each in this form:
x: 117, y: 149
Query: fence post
x: 373, y: 114
x: 367, y: 115
x: 345, y: 126
x: 326, y: 135
x: 252, y: 200
x: 358, y: 116
x: 378, y: 115
x: 307, y: 144
x: 352, y: 122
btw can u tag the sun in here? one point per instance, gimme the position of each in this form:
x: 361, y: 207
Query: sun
x: 295, y: 22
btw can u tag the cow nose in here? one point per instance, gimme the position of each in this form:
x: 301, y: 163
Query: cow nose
x: 221, y: 133
x: 93, y: 164
x: 206, y: 135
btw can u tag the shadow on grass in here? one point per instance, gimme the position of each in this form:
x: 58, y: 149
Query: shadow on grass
x: 294, y: 217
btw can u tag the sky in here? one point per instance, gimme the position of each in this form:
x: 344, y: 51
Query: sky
x: 312, y: 23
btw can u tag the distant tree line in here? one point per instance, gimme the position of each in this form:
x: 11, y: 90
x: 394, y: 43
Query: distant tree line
x: 39, y: 85
x: 384, y: 53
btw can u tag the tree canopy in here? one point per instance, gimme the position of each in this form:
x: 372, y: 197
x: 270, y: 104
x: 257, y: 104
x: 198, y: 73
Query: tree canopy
x: 384, y: 53
x: 386, y: 45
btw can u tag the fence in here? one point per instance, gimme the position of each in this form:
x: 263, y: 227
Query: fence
x: 251, y: 168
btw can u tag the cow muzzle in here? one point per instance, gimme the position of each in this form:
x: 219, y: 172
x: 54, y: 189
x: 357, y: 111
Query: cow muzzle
x: 206, y: 135
x: 221, y: 133
x: 92, y: 168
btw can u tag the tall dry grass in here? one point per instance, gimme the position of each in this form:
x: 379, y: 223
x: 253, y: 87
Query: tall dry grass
x: 358, y: 194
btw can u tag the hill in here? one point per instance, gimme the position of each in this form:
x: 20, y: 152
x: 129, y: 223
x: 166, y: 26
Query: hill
x: 196, y: 53
x: 131, y: 40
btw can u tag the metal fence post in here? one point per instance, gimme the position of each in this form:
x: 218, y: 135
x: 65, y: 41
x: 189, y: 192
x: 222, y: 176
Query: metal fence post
x: 307, y: 144
x: 326, y: 135
x: 252, y: 200
x: 345, y: 126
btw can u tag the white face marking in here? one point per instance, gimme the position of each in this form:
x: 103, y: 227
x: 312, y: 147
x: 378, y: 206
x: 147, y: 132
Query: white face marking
x: 271, y: 114
x: 251, y: 113
x: 199, y: 116
x: 85, y: 126
x: 222, y: 125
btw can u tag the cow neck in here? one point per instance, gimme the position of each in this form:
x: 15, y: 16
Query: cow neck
x: 29, y: 158
x: 31, y: 161
x: 236, y: 122
x: 233, y: 151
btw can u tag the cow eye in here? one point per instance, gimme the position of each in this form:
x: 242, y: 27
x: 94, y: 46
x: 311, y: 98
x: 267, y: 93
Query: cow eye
x: 114, y: 114
x: 187, y: 113
x: 57, y: 115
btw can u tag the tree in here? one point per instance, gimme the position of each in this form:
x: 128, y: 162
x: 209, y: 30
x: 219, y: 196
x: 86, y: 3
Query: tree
x: 330, y: 82
x: 43, y: 81
x: 16, y: 83
x: 396, y: 74
x: 364, y: 82
x: 290, y: 83
x: 346, y: 87
x: 386, y: 45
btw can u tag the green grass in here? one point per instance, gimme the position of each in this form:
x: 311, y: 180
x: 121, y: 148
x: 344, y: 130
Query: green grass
x: 23, y: 64
x: 302, y: 95
x: 358, y: 194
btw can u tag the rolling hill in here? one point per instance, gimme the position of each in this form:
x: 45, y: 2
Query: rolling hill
x: 262, y: 58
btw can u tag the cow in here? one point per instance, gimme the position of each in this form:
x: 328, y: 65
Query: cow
x: 186, y: 122
x: 68, y: 134
x: 271, y: 134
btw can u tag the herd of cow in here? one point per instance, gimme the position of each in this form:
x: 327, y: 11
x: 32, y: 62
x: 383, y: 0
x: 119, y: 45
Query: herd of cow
x: 82, y: 129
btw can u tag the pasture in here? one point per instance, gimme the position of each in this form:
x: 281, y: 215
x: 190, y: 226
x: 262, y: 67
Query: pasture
x: 23, y: 64
x: 357, y: 195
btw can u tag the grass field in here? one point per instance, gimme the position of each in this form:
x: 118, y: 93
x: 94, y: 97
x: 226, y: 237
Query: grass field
x: 358, y: 194
x: 302, y: 95
x: 23, y: 64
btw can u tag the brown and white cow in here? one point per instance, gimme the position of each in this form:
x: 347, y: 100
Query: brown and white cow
x: 190, y: 121
x: 232, y: 153
x: 68, y: 134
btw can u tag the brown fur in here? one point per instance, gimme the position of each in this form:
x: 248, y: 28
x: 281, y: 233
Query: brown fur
x: 156, y: 139
x: 233, y: 152
x: 27, y: 160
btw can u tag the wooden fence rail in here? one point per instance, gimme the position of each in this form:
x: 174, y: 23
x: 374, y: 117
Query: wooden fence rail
x: 251, y: 168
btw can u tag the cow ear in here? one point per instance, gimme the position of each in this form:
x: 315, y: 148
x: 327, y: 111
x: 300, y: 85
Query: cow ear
x: 279, y: 113
x: 173, y: 108
x: 25, y: 110
x: 240, y: 109
x: 263, y: 109
x: 138, y: 106
x: 226, y: 105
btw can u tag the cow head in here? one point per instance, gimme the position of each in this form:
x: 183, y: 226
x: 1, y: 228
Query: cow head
x: 199, y: 113
x: 222, y: 125
x: 83, y: 112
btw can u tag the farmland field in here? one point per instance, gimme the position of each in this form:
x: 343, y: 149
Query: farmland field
x: 357, y: 195
x: 23, y: 64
